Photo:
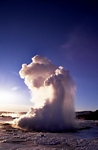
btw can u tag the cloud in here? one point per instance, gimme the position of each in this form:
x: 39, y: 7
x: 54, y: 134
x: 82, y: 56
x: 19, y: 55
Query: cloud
x: 15, y: 88
x: 81, y: 44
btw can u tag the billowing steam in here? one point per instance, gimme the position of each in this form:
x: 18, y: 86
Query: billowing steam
x: 52, y: 90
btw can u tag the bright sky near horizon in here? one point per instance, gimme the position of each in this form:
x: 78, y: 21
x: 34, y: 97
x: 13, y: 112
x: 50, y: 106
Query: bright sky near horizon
x: 66, y: 32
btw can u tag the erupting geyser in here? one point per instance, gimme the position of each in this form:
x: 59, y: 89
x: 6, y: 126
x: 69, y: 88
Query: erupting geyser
x: 52, y: 90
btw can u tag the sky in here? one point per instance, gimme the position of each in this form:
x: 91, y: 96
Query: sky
x: 66, y: 32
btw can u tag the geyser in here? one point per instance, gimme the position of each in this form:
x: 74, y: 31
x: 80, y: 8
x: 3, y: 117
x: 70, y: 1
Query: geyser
x: 52, y: 91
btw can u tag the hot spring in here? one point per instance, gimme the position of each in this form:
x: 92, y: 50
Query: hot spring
x: 52, y: 94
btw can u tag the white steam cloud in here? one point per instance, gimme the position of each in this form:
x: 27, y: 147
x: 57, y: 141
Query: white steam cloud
x: 52, y: 91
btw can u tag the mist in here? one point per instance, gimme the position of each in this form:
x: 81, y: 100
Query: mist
x: 52, y: 95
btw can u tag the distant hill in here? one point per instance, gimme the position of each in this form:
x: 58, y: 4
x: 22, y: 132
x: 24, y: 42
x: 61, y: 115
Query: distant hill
x: 87, y: 115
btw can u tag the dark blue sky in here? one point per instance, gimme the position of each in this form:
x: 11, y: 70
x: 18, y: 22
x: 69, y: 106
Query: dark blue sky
x: 66, y: 32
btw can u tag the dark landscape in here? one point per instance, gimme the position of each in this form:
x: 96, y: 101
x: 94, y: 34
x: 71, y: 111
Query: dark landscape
x: 85, y: 135
x: 87, y: 115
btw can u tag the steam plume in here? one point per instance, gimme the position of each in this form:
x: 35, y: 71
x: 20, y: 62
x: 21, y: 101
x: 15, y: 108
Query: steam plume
x: 52, y: 90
